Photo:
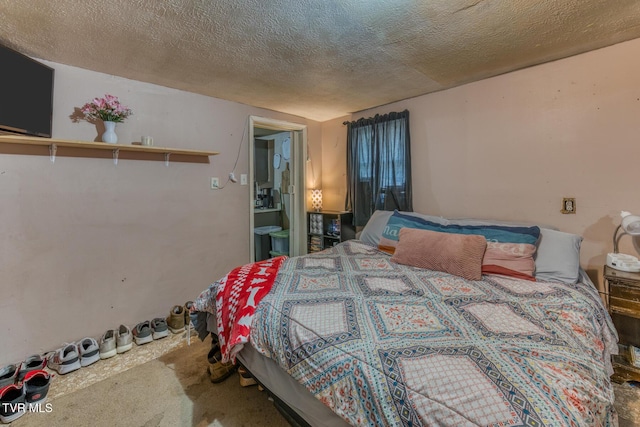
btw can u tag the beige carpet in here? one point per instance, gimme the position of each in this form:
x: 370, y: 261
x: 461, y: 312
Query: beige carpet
x: 165, y: 383
x: 172, y: 390
x: 627, y: 404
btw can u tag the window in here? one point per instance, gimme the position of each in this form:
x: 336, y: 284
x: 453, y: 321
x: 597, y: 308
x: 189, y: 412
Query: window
x: 378, y: 165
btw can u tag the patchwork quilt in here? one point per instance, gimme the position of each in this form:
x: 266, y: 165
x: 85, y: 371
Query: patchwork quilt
x: 386, y: 344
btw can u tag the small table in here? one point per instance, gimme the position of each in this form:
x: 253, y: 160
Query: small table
x: 328, y: 228
x: 623, y: 291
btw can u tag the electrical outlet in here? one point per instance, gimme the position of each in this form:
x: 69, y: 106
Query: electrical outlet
x: 215, y: 183
x: 568, y: 205
x: 243, y: 179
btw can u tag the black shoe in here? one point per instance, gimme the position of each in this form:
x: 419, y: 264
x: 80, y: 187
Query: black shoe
x: 37, y: 385
x: 11, y: 397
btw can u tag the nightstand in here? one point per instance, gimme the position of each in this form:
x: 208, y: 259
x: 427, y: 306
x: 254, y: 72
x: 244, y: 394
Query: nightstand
x: 328, y: 228
x: 623, y: 290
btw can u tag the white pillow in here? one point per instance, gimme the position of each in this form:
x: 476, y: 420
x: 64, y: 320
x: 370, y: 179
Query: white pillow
x: 558, y: 256
x: 372, y: 231
x: 375, y: 226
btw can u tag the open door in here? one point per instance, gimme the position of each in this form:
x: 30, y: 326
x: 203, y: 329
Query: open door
x: 277, y: 154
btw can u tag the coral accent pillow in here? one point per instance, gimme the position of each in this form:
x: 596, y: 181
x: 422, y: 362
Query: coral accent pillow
x: 509, y: 259
x: 457, y: 254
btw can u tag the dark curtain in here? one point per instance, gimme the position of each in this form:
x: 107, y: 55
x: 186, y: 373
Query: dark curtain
x: 378, y: 165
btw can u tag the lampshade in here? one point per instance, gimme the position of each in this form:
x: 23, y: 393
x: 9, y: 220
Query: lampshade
x: 316, y: 199
x: 630, y: 224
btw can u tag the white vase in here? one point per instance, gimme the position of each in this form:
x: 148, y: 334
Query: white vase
x: 110, y: 134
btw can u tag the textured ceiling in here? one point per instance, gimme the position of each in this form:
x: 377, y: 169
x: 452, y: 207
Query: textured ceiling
x: 315, y: 59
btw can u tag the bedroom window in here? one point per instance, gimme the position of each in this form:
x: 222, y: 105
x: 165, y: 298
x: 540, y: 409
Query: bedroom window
x: 378, y: 165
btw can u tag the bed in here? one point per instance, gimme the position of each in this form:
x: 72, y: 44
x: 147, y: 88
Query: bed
x: 354, y: 335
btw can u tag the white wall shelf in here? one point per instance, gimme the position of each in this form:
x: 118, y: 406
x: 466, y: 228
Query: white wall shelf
x: 32, y: 145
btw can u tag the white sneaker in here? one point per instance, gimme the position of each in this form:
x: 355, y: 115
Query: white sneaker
x: 89, y: 351
x: 65, y: 359
x: 108, y: 344
x: 124, y: 339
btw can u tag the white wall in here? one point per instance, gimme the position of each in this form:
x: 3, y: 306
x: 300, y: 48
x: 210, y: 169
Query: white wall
x: 511, y: 147
x: 87, y: 245
x: 334, y: 153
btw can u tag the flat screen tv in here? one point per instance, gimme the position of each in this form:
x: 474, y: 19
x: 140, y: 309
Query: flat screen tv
x: 26, y: 94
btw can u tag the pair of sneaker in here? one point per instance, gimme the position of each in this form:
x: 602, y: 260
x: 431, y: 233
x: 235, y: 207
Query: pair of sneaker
x: 71, y: 357
x: 147, y: 331
x: 180, y: 317
x: 115, y: 341
x: 15, y: 399
x: 12, y: 374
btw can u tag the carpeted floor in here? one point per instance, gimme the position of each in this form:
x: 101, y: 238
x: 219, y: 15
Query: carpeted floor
x: 627, y: 404
x: 172, y: 390
x: 165, y: 383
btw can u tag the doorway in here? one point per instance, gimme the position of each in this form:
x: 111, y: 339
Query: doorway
x: 277, y: 171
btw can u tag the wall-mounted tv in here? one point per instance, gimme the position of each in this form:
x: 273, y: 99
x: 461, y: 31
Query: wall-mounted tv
x: 26, y: 94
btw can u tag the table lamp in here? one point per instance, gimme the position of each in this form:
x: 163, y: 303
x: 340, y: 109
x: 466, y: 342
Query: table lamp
x: 316, y: 199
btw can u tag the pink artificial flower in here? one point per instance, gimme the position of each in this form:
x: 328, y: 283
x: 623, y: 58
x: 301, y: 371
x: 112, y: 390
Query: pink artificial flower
x: 106, y: 109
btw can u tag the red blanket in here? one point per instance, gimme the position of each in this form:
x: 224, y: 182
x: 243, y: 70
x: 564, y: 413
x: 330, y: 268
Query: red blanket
x: 237, y: 297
